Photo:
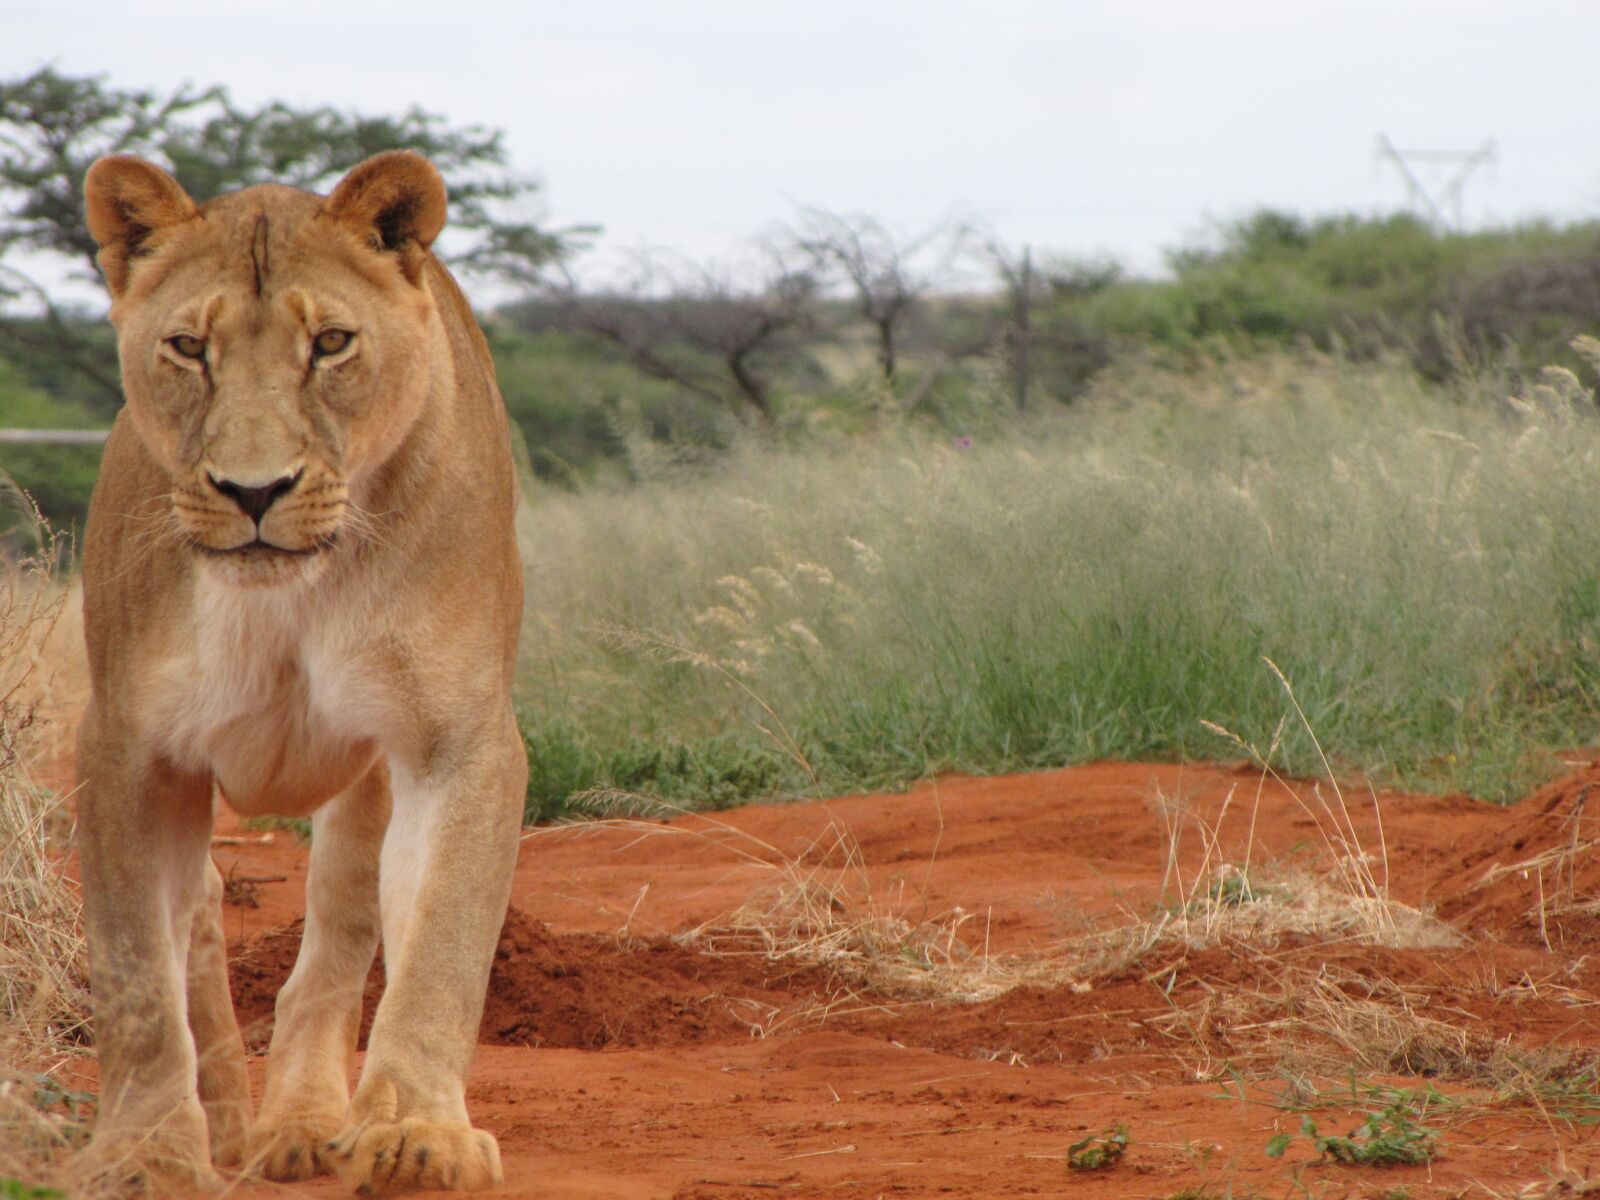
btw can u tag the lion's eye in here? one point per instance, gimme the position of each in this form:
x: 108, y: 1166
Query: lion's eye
x: 188, y: 345
x: 330, y: 341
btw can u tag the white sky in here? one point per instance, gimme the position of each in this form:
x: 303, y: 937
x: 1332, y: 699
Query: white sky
x: 1085, y: 127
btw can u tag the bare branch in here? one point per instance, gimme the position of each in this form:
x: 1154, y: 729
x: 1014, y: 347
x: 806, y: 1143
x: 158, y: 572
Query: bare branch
x: 888, y: 279
x: 695, y: 326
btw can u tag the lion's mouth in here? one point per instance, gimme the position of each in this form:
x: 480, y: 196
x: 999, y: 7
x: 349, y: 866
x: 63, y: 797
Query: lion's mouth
x: 264, y: 549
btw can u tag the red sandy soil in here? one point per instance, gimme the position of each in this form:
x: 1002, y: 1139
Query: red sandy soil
x: 620, y: 1058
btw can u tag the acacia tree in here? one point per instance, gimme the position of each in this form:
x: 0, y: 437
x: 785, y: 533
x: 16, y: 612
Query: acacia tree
x: 53, y: 126
x: 1022, y: 288
x: 887, y: 278
x: 1045, y: 340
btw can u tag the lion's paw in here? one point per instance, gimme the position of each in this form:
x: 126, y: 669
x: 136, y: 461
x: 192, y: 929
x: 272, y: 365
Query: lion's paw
x: 294, y: 1148
x: 450, y: 1156
x: 160, y: 1161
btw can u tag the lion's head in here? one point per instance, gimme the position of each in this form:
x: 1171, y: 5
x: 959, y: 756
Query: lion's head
x: 275, y: 346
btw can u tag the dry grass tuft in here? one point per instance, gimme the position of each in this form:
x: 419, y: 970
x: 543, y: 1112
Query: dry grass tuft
x: 822, y: 911
x: 1350, y: 896
x: 1322, y: 1023
x: 1223, y: 900
x: 43, y: 989
x: 1325, y: 1021
x: 1250, y: 905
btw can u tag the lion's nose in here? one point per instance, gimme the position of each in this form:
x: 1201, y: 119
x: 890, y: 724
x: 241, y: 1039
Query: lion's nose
x: 254, y: 501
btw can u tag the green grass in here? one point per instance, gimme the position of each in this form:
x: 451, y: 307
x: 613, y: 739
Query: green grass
x: 1098, y: 1151
x: 16, y: 1189
x: 1392, y: 1137
x: 1423, y: 563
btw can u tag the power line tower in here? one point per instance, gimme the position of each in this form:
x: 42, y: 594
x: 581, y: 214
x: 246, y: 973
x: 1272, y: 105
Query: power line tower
x: 1441, y: 204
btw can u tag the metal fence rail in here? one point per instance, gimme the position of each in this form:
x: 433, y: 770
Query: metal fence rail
x: 54, y: 437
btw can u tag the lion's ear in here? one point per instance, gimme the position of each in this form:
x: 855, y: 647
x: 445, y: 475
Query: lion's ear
x: 394, y: 200
x: 126, y: 200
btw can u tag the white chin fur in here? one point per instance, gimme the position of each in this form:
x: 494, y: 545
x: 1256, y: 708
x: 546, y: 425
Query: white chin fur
x: 263, y: 568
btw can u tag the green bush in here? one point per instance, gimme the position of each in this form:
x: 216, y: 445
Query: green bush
x: 58, y: 478
x: 1376, y: 283
x: 583, y: 413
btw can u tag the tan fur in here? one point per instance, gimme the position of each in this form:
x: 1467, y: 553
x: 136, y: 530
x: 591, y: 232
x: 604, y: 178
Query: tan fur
x: 345, y: 652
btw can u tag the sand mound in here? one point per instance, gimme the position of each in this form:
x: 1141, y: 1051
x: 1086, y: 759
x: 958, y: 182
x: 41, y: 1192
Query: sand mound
x: 577, y: 991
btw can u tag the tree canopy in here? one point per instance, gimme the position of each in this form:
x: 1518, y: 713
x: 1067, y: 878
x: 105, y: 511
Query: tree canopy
x: 53, y: 126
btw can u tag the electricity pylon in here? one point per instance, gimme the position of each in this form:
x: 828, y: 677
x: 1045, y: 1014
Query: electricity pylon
x: 1446, y: 199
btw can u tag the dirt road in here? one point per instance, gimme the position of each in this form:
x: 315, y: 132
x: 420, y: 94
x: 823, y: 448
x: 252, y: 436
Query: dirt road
x: 938, y: 993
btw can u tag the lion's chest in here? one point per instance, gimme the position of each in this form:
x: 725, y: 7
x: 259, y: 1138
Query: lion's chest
x: 264, y: 699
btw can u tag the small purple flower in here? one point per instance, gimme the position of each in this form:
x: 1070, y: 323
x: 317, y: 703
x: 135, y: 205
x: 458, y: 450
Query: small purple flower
x: 964, y: 442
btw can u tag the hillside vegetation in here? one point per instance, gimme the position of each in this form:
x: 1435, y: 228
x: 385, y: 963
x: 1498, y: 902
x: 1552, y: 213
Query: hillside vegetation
x: 1332, y: 444
x: 1509, y: 299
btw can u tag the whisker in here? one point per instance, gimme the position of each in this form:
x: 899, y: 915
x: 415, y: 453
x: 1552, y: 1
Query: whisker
x: 364, y: 524
x: 156, y: 530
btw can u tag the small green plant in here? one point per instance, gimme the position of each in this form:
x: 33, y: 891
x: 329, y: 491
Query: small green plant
x: 15, y: 1189
x: 1099, y: 1150
x: 50, y: 1096
x: 1389, y: 1137
x: 1233, y: 889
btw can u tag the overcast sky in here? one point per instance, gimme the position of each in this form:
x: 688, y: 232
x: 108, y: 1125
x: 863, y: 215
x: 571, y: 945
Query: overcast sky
x: 1081, y: 126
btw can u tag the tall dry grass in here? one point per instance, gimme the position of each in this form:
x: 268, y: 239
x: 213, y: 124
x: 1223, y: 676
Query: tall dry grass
x: 43, y: 969
x: 1422, y: 560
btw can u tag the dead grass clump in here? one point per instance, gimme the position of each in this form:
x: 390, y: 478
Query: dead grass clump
x: 1323, y: 1021
x: 1317, y: 1026
x: 822, y: 910
x: 1348, y: 896
x: 1297, y: 901
x: 1329, y: 1024
x: 43, y: 990
x: 873, y: 944
x: 1343, y: 895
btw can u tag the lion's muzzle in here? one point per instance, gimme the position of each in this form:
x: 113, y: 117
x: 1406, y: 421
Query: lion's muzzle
x: 262, y: 527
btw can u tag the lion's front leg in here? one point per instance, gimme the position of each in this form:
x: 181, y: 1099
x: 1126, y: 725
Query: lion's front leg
x: 319, y: 1009
x: 145, y: 832
x: 224, y: 1082
x: 445, y: 880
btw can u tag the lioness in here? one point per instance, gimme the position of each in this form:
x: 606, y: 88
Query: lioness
x: 301, y: 588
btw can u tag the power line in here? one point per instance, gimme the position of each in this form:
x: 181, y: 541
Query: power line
x: 1447, y: 198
